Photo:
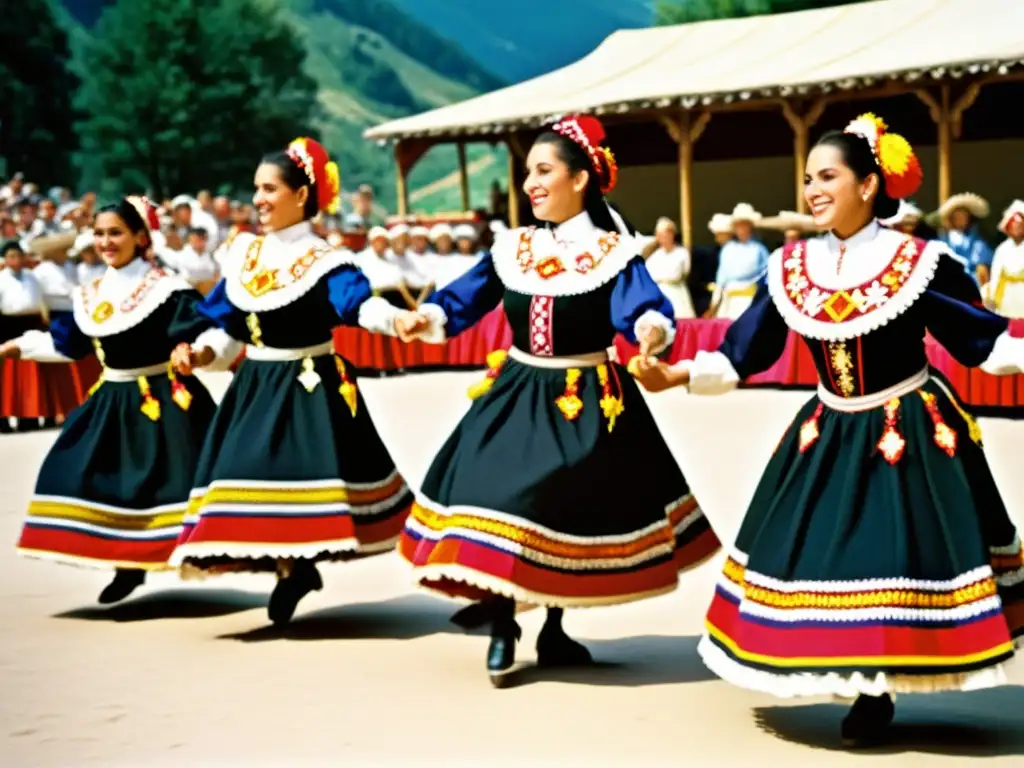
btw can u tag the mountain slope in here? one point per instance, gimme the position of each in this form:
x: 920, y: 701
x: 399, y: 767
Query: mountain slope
x: 526, y: 38
x: 372, y: 63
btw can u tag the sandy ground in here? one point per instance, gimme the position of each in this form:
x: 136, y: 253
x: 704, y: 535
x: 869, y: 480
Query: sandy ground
x: 372, y: 673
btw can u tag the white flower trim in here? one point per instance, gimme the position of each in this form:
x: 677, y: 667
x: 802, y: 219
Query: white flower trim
x: 505, y: 253
x: 241, y: 298
x: 38, y: 346
x: 435, y: 333
x: 1007, y: 356
x: 846, y: 686
x: 162, y: 290
x: 914, y: 287
x: 377, y: 315
x: 225, y: 349
x: 652, y: 317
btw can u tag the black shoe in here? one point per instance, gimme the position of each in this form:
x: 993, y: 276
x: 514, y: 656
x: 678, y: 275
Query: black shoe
x: 556, y: 649
x: 126, y: 581
x: 867, y: 720
x: 303, y: 579
x: 474, y: 616
x: 501, y: 654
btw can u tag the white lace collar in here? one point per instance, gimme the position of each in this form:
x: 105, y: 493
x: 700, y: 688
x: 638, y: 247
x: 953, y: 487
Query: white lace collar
x: 829, y: 289
x: 573, y: 258
x: 123, y: 298
x: 270, y: 272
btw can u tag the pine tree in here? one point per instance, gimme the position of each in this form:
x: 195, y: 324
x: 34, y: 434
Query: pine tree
x: 36, y: 118
x: 684, y: 11
x: 186, y: 95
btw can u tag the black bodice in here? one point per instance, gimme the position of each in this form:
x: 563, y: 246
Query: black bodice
x: 561, y: 325
x: 305, y: 322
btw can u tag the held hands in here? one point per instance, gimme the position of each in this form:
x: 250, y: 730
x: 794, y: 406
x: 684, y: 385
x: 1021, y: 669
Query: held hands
x: 656, y: 376
x: 185, y: 358
x: 651, y: 337
x: 410, y: 325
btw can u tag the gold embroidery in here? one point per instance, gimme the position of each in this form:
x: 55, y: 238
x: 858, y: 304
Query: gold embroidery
x: 611, y: 406
x: 944, y: 437
x: 569, y: 402
x: 842, y: 365
x: 103, y: 312
x: 150, y: 405
x: 809, y: 431
x: 891, y: 445
x: 309, y: 378
x: 102, y: 357
x: 259, y: 280
x: 347, y: 390
x: 252, y: 321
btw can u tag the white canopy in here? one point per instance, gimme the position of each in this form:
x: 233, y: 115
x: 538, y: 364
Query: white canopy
x: 844, y: 47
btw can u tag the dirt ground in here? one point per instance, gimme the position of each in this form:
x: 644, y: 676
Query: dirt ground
x: 372, y: 673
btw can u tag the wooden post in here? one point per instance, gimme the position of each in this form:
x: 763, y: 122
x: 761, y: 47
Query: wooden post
x: 948, y: 118
x: 400, y: 183
x: 801, y: 125
x: 684, y: 132
x: 463, y: 176
x: 513, y: 186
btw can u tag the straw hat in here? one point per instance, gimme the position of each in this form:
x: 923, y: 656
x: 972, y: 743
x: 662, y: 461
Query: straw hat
x: 419, y: 231
x: 83, y: 240
x: 745, y: 212
x: 440, y: 230
x: 974, y: 204
x: 44, y: 246
x: 665, y: 224
x: 721, y: 223
x: 398, y: 230
x: 465, y: 231
x: 1016, y: 209
x: 376, y: 232
x: 787, y: 220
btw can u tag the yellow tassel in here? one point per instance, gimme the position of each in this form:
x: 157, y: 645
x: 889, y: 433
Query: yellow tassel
x: 569, y: 403
x: 102, y: 357
x: 611, y: 405
x: 179, y: 392
x: 347, y: 388
x: 150, y: 405
x: 97, y: 385
x: 495, y: 360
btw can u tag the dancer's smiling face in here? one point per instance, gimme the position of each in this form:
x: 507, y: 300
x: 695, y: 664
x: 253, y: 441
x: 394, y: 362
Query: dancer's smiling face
x: 556, y: 192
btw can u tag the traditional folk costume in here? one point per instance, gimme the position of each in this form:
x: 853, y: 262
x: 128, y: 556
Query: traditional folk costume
x: 293, y: 468
x: 522, y: 500
x: 113, y: 489
x: 1006, y: 289
x: 876, y: 555
x: 29, y: 390
x: 670, y: 269
x: 741, y: 267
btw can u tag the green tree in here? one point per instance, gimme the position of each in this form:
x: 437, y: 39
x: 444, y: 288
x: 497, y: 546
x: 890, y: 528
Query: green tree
x: 36, y: 118
x: 685, y: 11
x: 186, y: 95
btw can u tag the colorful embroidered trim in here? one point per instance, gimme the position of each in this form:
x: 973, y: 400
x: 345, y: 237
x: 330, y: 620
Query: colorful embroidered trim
x: 892, y: 445
x: 944, y: 436
x: 809, y: 432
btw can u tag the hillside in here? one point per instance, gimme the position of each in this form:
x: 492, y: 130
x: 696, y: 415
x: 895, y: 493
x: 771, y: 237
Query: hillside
x: 527, y: 38
x: 372, y: 62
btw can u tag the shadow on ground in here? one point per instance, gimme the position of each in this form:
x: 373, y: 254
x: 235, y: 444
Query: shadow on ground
x: 628, y: 662
x: 986, y: 723
x: 401, y: 618
x: 172, y: 604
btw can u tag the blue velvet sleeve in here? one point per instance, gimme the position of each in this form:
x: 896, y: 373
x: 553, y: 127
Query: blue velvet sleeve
x: 757, y: 338
x: 347, y: 289
x: 635, y: 293
x: 466, y: 300
x: 217, y: 308
x: 68, y: 338
x: 955, y: 317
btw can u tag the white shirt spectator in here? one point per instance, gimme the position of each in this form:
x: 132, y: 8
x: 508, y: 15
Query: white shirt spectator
x: 193, y: 267
x: 20, y: 294
x: 57, y: 282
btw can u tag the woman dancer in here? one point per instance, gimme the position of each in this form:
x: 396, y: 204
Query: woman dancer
x: 293, y: 471
x: 113, y: 489
x: 876, y: 556
x: 529, y: 500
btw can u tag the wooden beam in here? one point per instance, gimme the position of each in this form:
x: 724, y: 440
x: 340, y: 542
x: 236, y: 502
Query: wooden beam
x: 945, y: 146
x: 965, y: 102
x: 684, y: 130
x: 801, y: 123
x: 401, y: 187
x: 513, y: 184
x: 463, y: 176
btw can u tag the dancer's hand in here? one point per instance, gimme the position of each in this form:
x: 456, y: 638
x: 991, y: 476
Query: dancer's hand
x: 185, y: 358
x: 651, y: 337
x: 656, y: 376
x: 409, y: 325
x: 10, y: 349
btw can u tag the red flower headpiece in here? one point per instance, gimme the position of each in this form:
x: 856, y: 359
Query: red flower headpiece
x: 900, y: 167
x: 148, y: 213
x: 588, y: 133
x: 314, y: 161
